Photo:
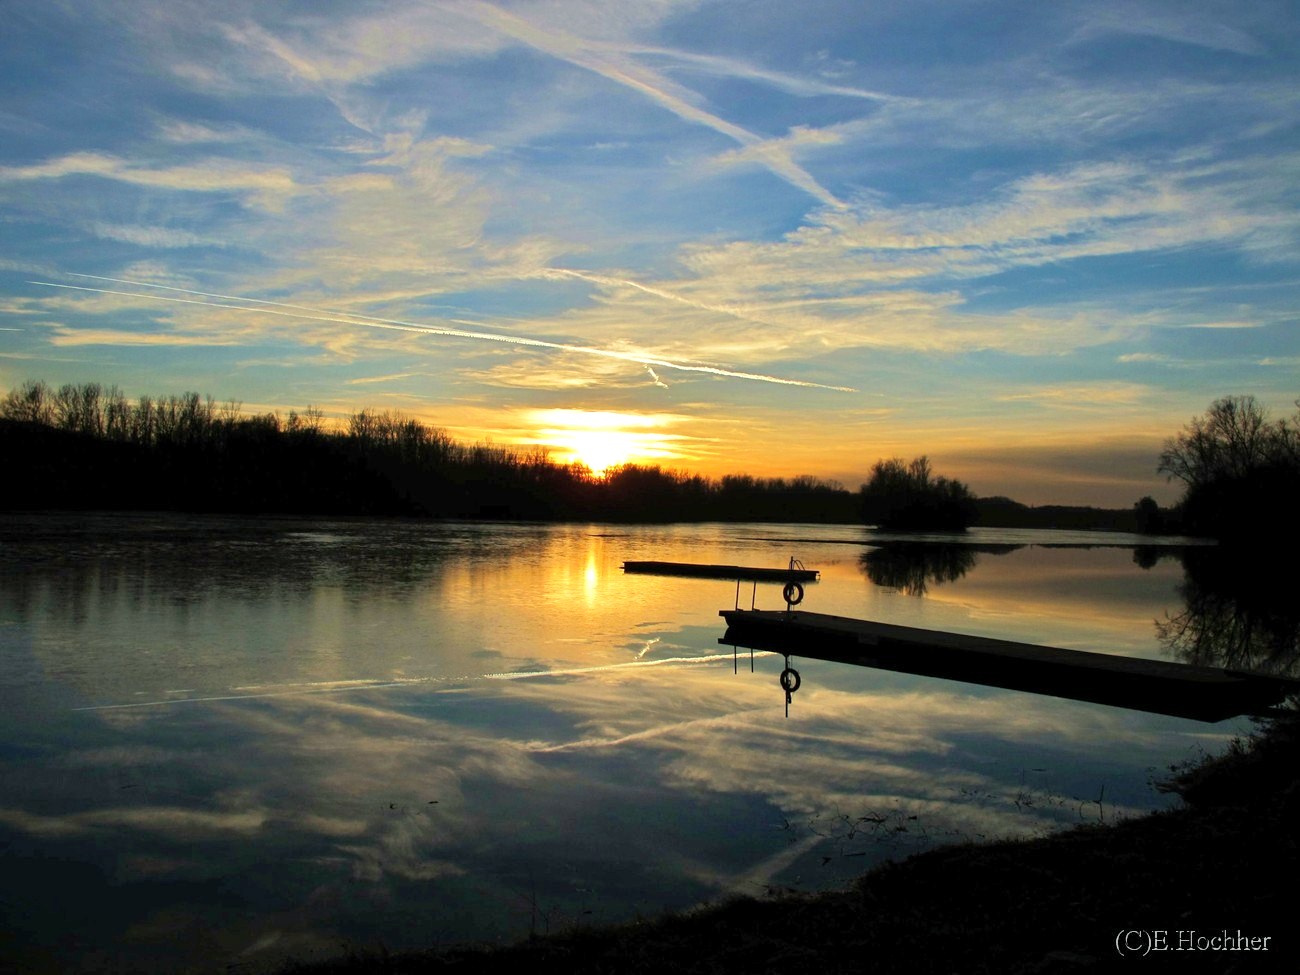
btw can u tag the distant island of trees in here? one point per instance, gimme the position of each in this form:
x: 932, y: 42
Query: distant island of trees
x: 86, y: 447
x: 910, y: 497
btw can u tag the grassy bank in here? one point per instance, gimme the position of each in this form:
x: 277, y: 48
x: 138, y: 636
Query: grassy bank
x: 1057, y: 904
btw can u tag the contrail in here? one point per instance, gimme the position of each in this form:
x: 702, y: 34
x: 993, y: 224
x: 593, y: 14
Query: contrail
x: 348, y: 318
x: 609, y: 62
x: 708, y: 658
x: 656, y: 292
x: 659, y: 731
x: 344, y: 686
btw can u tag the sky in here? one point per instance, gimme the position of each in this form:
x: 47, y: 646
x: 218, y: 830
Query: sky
x: 1030, y: 241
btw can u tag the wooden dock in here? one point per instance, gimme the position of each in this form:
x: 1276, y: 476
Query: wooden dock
x: 1156, y: 686
x: 742, y: 573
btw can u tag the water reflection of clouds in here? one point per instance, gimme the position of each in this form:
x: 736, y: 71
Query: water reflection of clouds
x: 851, y: 749
x: 349, y: 749
x: 385, y: 788
x: 360, y: 748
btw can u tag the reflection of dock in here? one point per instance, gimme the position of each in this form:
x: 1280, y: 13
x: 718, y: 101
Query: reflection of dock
x: 1157, y: 686
x: 737, y: 572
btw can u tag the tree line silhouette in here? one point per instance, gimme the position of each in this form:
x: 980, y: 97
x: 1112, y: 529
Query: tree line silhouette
x: 87, y: 447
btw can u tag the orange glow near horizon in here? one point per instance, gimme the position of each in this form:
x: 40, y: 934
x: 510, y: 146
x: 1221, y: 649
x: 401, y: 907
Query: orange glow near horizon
x: 1078, y: 465
x: 598, y: 450
x: 603, y: 440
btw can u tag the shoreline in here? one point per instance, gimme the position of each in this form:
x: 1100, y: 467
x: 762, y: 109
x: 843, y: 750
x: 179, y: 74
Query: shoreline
x: 1191, y: 886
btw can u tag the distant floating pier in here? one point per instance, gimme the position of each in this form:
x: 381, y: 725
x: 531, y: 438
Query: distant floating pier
x: 1155, y: 686
x: 740, y: 573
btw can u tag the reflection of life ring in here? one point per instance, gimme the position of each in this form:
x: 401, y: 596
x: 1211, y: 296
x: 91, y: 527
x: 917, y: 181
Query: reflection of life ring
x: 790, y: 680
x: 793, y: 593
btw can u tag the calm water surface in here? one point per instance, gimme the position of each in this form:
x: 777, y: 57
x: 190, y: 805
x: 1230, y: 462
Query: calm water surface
x: 224, y: 742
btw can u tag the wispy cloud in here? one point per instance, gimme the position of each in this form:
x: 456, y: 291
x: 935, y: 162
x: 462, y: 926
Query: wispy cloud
x: 616, y: 66
x: 367, y: 380
x: 265, y: 186
x: 278, y: 308
x: 164, y: 237
x: 1181, y: 24
x: 62, y: 336
x: 1081, y: 396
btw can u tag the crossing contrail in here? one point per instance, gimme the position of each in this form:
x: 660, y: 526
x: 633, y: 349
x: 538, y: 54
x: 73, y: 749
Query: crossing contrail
x: 304, y: 312
x: 309, y: 688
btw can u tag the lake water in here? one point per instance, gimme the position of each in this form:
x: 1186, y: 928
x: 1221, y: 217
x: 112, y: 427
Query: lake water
x: 225, y: 742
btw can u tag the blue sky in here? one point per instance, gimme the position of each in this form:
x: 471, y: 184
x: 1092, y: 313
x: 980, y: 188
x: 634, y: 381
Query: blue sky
x: 1029, y: 240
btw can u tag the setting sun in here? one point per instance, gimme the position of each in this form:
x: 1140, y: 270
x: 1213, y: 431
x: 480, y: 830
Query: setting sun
x: 599, y: 450
x: 602, y: 440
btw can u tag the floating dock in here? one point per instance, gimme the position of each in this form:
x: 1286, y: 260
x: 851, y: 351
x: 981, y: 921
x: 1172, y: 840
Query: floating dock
x: 1156, y: 686
x: 739, y: 573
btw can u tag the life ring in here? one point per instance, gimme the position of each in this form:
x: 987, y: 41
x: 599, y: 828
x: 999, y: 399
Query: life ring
x: 793, y: 593
x: 790, y: 680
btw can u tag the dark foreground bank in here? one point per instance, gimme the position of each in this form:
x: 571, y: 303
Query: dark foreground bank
x: 1202, y: 888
